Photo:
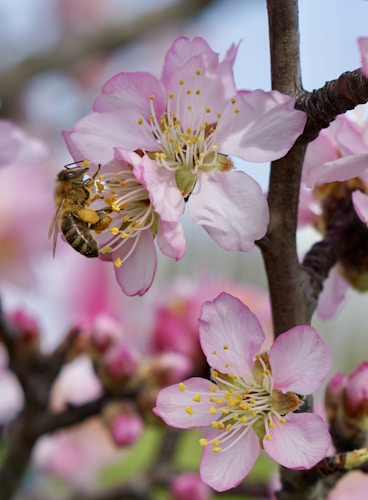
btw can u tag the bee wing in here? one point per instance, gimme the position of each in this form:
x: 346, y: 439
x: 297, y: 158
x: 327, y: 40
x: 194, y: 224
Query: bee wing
x: 54, y: 227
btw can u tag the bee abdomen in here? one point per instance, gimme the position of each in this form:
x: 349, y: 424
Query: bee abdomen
x: 77, y: 234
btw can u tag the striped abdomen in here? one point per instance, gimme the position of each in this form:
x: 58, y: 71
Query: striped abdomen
x: 78, y: 235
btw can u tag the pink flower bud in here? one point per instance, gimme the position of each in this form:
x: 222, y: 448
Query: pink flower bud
x: 189, y: 485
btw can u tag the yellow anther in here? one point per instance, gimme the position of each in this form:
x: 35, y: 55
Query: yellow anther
x: 106, y: 250
x: 85, y: 163
x: 225, y: 411
x: 171, y: 95
x: 118, y: 262
x: 216, y: 442
x: 197, y: 398
x: 228, y: 427
x: 225, y: 346
x: 217, y: 449
x: 152, y: 97
x: 140, y: 121
x: 182, y: 386
x: 221, y: 425
x: 214, y: 353
x: 198, y: 92
x: 243, y: 419
x: 271, y: 425
x: 236, y: 111
x: 233, y: 100
x: 268, y: 437
x: 203, y: 442
x: 181, y: 82
x: 218, y: 115
x: 215, y: 426
x: 189, y: 108
x: 208, y: 110
x: 115, y: 206
x: 189, y: 92
x: 114, y: 230
x: 198, y: 72
x: 282, y: 420
x: 189, y: 410
x: 212, y: 410
x: 213, y: 388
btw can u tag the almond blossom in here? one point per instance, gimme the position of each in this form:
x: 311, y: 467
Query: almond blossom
x: 184, y: 125
x: 141, y: 207
x: 335, y: 168
x: 249, y: 402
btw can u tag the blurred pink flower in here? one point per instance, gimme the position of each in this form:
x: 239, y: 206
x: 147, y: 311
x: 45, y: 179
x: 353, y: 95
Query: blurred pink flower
x: 17, y: 148
x: 251, y: 399
x: 347, y: 402
x: 11, y: 400
x: 77, y: 455
x: 124, y: 423
x: 352, y: 486
x: 177, y: 307
x: 25, y: 203
x: 76, y: 384
x: 188, y: 485
x: 184, y: 125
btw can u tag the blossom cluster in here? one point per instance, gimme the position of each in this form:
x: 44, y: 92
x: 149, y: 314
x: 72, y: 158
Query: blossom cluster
x: 162, y: 143
x: 250, y: 401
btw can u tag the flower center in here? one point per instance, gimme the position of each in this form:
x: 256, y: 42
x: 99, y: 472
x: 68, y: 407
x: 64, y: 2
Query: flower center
x: 193, y: 148
x: 239, y: 404
x: 130, y: 207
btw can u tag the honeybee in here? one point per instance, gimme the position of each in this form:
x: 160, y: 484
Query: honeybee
x: 73, y: 195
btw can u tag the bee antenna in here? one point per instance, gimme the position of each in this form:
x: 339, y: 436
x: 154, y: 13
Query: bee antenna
x: 84, y: 163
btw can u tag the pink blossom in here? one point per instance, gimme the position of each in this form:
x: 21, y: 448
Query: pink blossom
x: 23, y: 183
x: 177, y: 308
x: 123, y: 422
x: 189, y: 485
x: 352, y: 486
x: 347, y: 401
x: 251, y: 399
x: 339, y: 154
x: 143, y: 207
x: 62, y: 453
x: 184, y: 125
x: 19, y: 149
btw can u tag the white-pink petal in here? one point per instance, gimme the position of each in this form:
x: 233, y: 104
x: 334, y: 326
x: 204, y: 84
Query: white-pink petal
x: 170, y: 239
x: 132, y: 91
x: 341, y: 170
x: 230, y: 335
x: 226, y: 469
x: 300, y: 443
x: 97, y: 135
x: 172, y: 404
x: 183, y: 51
x: 137, y: 272
x: 300, y: 360
x: 265, y: 128
x: 332, y: 295
x: 360, y: 202
x: 231, y: 207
